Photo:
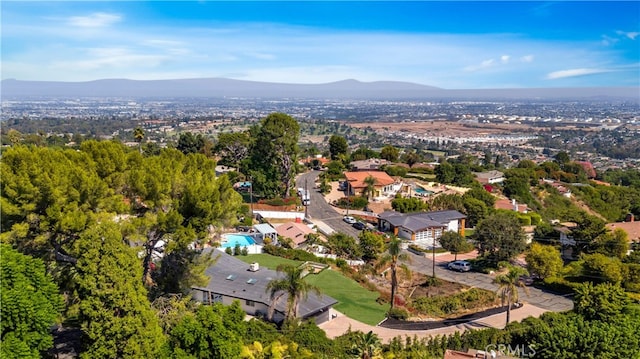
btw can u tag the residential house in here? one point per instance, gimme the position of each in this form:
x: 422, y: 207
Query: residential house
x: 383, y: 185
x: 371, y: 164
x: 231, y: 279
x: 422, y: 228
x: 489, y: 177
x: 629, y: 226
x: 511, y: 205
x: 295, y: 231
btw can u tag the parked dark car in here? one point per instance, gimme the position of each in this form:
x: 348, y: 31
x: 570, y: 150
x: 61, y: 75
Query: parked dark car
x: 359, y: 226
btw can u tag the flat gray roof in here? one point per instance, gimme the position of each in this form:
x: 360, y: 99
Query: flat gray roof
x: 231, y: 277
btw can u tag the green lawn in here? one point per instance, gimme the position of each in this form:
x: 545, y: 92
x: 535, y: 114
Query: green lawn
x: 267, y: 260
x: 353, y: 300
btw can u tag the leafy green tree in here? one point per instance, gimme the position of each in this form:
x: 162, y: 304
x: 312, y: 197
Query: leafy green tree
x: 343, y: 246
x: 30, y: 305
x: 447, y: 202
x: 602, y: 268
x: 478, y: 192
x: 293, y: 286
x: 117, y: 319
x: 337, y: 146
x: 499, y: 237
x: 411, y: 158
x: 604, y: 301
x: 392, y: 258
x: 455, y: 243
x: 206, y: 334
x: 407, y: 205
x: 476, y: 210
x: 233, y: 147
x: 138, y: 136
x: 543, y: 260
x: 614, y: 244
x: 562, y: 158
x: 445, y: 172
x: 389, y: 153
x: 587, y: 229
x: 273, y: 154
x: 508, y: 286
x: 371, y: 245
x: 191, y: 143
x: 367, y: 346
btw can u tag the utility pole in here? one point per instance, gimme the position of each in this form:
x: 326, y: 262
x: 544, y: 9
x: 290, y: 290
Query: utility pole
x: 433, y: 257
x: 305, y: 202
x: 251, y: 195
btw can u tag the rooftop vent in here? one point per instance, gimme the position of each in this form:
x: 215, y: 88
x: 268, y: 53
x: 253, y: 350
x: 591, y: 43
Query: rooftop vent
x: 254, y: 267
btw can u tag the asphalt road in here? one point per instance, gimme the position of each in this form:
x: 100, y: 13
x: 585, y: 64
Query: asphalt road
x: 319, y: 209
x: 537, y: 297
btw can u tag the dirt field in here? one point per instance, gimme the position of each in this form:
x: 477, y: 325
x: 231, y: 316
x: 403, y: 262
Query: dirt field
x: 449, y: 128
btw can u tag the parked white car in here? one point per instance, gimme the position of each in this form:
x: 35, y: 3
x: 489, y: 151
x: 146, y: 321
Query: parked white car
x: 349, y: 219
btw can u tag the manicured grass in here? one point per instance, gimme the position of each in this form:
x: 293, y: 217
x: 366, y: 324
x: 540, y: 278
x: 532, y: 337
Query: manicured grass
x: 468, y: 232
x: 267, y: 260
x: 353, y: 300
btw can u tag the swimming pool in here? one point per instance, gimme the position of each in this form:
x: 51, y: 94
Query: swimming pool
x: 421, y: 190
x: 243, y: 240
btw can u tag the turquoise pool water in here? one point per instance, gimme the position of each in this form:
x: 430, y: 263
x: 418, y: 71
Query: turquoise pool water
x: 241, y: 239
x: 421, y: 190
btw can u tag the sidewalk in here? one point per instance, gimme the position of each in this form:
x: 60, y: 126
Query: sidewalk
x: 342, y: 324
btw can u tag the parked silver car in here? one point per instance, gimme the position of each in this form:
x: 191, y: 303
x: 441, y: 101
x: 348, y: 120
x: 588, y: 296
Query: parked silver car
x: 460, y: 266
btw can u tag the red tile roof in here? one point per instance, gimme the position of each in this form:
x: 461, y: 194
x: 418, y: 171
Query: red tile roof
x: 295, y: 231
x: 356, y: 179
x: 632, y: 229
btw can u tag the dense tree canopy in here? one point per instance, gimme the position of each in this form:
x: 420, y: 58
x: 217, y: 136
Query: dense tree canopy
x: 30, y: 305
x: 273, y: 155
x: 116, y: 316
x: 338, y: 147
x: 499, y: 237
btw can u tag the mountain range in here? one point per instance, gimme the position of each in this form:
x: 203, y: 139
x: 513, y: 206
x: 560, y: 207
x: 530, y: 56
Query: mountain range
x: 347, y: 89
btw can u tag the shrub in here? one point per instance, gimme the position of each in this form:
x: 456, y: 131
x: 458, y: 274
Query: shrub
x: 452, y: 304
x: 352, y: 202
x: 398, y: 313
x: 228, y: 251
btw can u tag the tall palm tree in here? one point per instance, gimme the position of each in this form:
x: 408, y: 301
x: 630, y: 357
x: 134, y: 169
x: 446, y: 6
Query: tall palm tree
x: 293, y: 285
x: 508, y: 286
x: 367, y: 345
x: 370, y: 183
x: 392, y: 258
x: 138, y: 136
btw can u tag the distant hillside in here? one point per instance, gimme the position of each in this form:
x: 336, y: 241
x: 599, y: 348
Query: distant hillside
x: 347, y: 89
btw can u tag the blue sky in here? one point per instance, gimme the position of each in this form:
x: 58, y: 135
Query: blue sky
x: 449, y: 44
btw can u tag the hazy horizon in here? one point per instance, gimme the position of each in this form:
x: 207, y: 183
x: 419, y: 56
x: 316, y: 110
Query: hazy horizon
x: 450, y: 45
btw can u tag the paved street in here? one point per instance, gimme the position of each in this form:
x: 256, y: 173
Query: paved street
x: 537, y: 297
x: 320, y: 209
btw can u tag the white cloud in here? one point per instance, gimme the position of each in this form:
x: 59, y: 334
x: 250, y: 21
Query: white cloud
x: 630, y: 34
x: 505, y: 59
x: 574, y: 73
x: 526, y: 58
x: 98, y: 19
x: 483, y: 65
